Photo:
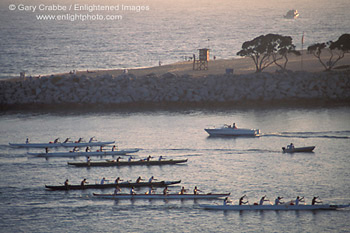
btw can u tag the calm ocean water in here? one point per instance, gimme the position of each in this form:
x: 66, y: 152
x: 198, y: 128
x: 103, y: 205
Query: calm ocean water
x: 169, y: 31
x: 251, y: 166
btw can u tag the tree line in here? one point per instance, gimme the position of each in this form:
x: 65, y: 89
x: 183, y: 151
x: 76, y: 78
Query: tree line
x: 269, y: 49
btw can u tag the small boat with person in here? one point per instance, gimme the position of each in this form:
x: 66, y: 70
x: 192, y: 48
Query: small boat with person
x: 291, y: 149
x: 111, y: 185
x: 66, y: 143
x: 162, y: 196
x: 228, y: 130
x: 117, y: 162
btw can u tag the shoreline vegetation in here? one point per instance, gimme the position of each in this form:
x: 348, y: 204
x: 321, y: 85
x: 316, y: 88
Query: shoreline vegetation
x: 179, y: 85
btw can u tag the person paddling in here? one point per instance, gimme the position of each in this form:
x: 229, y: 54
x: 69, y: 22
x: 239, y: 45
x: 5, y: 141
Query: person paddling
x: 151, y: 179
x: 314, y: 201
x: 27, y: 141
x: 138, y: 179
x: 83, y: 182
x: 196, y: 190
x: 116, y: 190
x: 113, y: 148
x: 227, y: 200
x: 165, y: 191
x: 66, y: 184
x: 103, y: 180
x: 130, y: 158
x: 298, y: 199
x: 117, y: 180
x: 148, y: 158
x: 262, y: 200
x: 183, y: 190
x: 278, y: 201
x: 241, y: 202
x: 150, y: 190
x: 132, y: 192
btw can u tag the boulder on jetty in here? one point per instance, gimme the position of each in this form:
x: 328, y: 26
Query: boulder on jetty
x: 174, y: 88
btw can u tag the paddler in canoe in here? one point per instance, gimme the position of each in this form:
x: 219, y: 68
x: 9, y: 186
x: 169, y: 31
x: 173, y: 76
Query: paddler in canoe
x: 196, y: 190
x: 227, y: 200
x: 83, y: 182
x: 165, y: 190
x: 151, y: 179
x: 114, y: 147
x: 116, y: 190
x: 241, y: 202
x: 298, y: 199
x: 139, y: 179
x: 150, y: 190
x: 132, y: 192
x: 261, y: 202
x: 66, y: 184
x: 182, y: 191
x: 314, y: 201
x: 92, y: 139
x: 148, y: 158
x: 117, y: 180
x: 87, y: 149
x: 278, y: 201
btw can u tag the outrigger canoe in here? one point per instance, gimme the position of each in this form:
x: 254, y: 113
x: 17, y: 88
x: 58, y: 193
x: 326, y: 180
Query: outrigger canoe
x: 298, y: 149
x: 87, y: 154
x: 110, y: 163
x: 113, y: 185
x: 162, y: 196
x: 59, y: 144
x: 273, y: 207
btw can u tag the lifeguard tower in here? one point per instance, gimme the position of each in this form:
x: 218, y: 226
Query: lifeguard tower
x: 202, y: 62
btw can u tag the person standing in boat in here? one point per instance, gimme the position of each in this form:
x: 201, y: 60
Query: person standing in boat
x: 314, y: 201
x: 241, y: 202
x: 298, y: 199
x: 138, y: 179
x: 262, y: 200
x: 278, y: 201
x: 196, y: 190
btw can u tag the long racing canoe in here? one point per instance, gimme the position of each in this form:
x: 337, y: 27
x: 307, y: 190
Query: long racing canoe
x: 162, y: 196
x: 110, y: 163
x: 273, y: 207
x: 59, y: 144
x: 113, y: 185
x: 87, y: 154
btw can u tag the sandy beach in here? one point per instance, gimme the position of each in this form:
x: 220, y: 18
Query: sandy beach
x: 306, y: 62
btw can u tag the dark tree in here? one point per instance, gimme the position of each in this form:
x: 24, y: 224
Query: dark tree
x: 268, y: 49
x: 336, y: 51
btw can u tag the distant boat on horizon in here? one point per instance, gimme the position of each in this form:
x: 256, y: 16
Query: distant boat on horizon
x: 292, y: 14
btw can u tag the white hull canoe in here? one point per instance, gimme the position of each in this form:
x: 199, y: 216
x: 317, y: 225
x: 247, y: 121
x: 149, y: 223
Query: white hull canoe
x: 68, y: 144
x: 298, y: 149
x: 273, y: 207
x: 87, y: 154
x: 161, y: 196
x: 226, y: 131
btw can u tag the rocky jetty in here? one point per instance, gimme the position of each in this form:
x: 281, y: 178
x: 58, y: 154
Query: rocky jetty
x: 172, y: 88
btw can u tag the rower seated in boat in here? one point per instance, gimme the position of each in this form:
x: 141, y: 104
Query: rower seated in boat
x: 234, y: 126
x: 130, y: 158
x: 75, y: 149
x: 150, y: 190
x: 103, y: 180
x: 165, y: 191
x: 314, y: 201
x: 182, y: 191
x: 66, y: 183
x: 278, y: 201
x: 117, y: 180
x: 92, y: 139
x: 291, y: 146
x: 67, y: 140
x: 79, y: 140
x: 160, y: 158
x: 83, y: 182
x: 151, y: 179
x: 261, y: 202
x: 56, y: 140
x: 27, y: 141
x: 116, y: 190
x: 241, y: 202
x: 114, y: 147
x: 87, y: 149
x: 101, y: 149
x: 298, y: 199
x: 46, y: 150
x: 196, y: 190
x: 132, y: 191
x: 118, y: 159
x: 138, y: 179
x: 227, y: 200
x: 148, y: 158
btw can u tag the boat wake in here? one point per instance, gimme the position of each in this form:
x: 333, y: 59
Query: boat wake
x: 345, y: 134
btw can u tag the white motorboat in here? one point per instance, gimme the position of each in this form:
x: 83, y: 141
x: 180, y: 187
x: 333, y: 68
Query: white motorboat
x: 87, y: 154
x: 162, y: 196
x: 273, y: 207
x: 228, y: 130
